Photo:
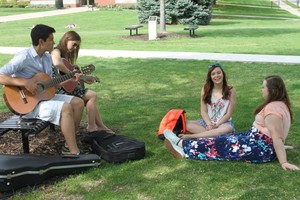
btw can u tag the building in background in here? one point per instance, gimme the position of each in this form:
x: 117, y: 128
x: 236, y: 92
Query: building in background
x: 79, y: 3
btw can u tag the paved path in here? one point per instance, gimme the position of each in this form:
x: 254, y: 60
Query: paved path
x: 177, y: 55
x: 286, y: 7
x: 42, y: 14
x: 193, y: 56
x: 158, y: 54
x: 295, y: 2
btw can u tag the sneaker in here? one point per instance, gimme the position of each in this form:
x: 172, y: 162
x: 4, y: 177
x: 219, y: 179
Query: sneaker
x: 65, y: 153
x: 174, y: 149
x: 171, y: 136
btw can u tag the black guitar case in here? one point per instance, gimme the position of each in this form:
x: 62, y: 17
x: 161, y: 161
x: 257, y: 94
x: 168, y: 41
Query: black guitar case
x: 18, y: 171
x: 115, y: 148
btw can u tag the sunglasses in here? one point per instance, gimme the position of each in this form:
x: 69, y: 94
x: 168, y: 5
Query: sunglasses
x: 215, y: 65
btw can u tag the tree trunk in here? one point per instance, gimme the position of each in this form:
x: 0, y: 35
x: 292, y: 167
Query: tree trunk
x: 162, y: 17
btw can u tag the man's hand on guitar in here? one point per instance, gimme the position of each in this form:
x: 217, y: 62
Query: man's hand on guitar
x: 31, y: 86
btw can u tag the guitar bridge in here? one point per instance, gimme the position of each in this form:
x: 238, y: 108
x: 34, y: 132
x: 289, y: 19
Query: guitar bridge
x: 23, y: 96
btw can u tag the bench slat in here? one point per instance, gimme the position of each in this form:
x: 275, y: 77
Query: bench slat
x: 133, y: 27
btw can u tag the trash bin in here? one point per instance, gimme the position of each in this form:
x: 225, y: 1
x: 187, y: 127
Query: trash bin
x: 152, y: 27
x: 59, y: 4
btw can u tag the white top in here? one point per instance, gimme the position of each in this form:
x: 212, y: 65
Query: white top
x: 217, y: 109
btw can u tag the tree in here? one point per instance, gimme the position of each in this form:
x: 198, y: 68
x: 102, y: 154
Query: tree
x: 197, y: 12
x: 147, y: 8
x: 162, y: 17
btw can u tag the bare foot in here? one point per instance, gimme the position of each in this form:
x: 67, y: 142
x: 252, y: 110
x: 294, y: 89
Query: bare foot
x: 107, y: 130
x: 91, y: 130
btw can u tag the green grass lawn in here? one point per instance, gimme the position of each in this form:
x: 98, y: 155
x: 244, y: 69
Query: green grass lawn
x: 134, y: 95
x: 246, y: 2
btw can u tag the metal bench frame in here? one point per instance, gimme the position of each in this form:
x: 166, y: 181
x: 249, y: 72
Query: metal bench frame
x: 26, y: 126
x: 133, y: 27
x: 191, y: 29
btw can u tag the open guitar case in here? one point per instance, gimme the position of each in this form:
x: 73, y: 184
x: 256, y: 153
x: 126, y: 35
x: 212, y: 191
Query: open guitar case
x: 17, y: 171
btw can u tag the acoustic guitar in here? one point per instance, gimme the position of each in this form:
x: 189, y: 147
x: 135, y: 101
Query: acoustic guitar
x: 71, y: 84
x: 20, y: 101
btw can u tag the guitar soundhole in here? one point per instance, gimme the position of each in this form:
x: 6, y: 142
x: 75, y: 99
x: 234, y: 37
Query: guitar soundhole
x: 41, y: 88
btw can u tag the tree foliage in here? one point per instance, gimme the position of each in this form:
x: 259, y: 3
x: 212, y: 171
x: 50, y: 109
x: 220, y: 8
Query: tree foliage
x: 177, y: 11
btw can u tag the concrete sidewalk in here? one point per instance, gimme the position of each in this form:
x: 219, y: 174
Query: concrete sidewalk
x: 177, y: 55
x: 63, y: 11
x: 286, y: 7
x: 192, y: 56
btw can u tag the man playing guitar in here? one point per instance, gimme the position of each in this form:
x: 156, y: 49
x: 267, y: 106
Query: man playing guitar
x: 22, y: 72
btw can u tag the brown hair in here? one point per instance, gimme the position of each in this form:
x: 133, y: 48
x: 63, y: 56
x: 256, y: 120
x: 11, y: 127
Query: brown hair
x: 62, y: 46
x: 277, y: 92
x: 209, y: 85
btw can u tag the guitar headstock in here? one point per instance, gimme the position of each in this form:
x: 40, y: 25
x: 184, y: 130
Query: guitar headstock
x: 91, y: 78
x: 88, y: 69
x: 96, y: 79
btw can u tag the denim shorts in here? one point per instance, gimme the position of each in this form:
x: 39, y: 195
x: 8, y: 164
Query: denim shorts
x: 229, y: 122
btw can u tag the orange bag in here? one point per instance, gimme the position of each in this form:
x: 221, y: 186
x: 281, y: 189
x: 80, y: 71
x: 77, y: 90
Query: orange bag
x: 174, y: 120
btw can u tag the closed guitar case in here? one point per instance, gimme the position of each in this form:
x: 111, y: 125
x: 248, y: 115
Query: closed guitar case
x: 17, y: 171
x: 115, y: 148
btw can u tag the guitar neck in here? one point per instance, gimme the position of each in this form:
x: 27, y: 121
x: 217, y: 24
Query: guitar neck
x: 58, y: 80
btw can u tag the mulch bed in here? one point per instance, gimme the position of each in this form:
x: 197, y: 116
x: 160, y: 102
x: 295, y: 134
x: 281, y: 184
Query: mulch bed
x: 47, y: 142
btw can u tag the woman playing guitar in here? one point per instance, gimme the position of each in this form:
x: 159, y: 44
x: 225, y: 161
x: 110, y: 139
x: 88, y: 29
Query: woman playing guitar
x: 68, y: 49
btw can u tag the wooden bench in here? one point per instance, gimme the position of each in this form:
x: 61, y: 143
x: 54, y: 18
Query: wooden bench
x: 191, y: 29
x: 133, y: 27
x: 26, y: 126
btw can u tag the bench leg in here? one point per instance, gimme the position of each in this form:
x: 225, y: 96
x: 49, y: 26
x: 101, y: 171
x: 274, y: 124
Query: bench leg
x: 190, y: 32
x: 52, y: 127
x: 130, y: 32
x: 25, y: 141
x: 136, y: 31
